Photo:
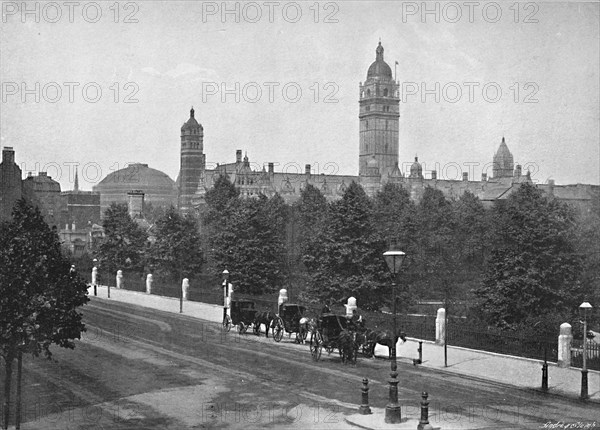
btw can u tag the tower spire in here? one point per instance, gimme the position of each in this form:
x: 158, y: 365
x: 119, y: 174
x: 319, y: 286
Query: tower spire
x: 192, y: 112
x: 76, y: 184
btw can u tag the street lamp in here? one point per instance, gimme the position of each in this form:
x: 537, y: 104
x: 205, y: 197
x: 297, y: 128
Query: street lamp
x: 394, y: 259
x: 225, y: 275
x: 584, y: 308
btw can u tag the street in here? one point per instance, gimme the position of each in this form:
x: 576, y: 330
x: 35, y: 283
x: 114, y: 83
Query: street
x: 138, y: 368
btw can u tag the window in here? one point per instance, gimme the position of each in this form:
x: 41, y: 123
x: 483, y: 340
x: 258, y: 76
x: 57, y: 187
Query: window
x: 368, y: 93
x: 385, y: 92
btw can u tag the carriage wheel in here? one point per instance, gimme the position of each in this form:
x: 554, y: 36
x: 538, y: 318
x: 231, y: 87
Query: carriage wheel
x: 278, y: 330
x: 315, y: 346
x: 227, y: 323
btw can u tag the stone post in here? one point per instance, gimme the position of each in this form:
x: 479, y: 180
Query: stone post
x: 350, y: 306
x: 440, y: 327
x: 120, y: 281
x: 149, y: 280
x: 95, y: 280
x: 283, y: 298
x: 564, y: 345
x: 185, y: 288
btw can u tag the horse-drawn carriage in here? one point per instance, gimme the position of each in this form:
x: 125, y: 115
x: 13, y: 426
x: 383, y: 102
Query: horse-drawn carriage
x: 334, y: 332
x: 242, y: 315
x: 288, y: 320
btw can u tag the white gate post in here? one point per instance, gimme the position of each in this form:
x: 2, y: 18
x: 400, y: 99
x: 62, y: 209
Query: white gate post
x: 185, y: 288
x: 149, y: 280
x: 564, y: 345
x: 120, y: 281
x: 440, y: 327
x: 350, y: 306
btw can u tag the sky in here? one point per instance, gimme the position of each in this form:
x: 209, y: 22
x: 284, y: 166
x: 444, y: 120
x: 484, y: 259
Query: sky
x: 99, y: 85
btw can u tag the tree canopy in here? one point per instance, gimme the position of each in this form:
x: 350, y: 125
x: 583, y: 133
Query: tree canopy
x: 533, y: 269
x: 39, y: 292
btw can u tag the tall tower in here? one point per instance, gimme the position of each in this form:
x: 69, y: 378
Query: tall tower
x: 379, y: 117
x: 503, y: 162
x: 193, y: 161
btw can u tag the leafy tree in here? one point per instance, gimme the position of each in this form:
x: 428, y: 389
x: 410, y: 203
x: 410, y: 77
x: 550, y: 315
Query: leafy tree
x: 39, y: 294
x: 177, y: 250
x: 249, y: 242
x: 346, y: 259
x: 533, y: 269
x: 394, y: 217
x: 124, y: 241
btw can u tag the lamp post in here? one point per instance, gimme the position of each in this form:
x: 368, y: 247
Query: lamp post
x: 584, y: 308
x: 393, y: 258
x: 225, y: 275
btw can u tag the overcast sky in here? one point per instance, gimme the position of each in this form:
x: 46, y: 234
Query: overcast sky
x: 542, y: 57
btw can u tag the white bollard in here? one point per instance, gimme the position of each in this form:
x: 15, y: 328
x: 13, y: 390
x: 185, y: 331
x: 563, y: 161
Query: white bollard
x: 120, y: 280
x: 350, y: 306
x: 95, y: 276
x: 149, y: 281
x: 564, y: 345
x: 283, y: 297
x: 185, y: 288
x: 440, y: 327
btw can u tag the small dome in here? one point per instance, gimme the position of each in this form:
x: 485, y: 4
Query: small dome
x: 191, y: 123
x: 416, y: 171
x: 379, y: 68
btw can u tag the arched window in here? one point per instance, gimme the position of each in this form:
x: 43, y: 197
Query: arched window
x: 385, y: 92
x: 368, y: 93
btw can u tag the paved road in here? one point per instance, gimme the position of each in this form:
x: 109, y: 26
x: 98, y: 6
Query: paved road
x: 139, y: 368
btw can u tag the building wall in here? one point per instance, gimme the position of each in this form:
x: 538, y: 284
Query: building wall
x: 10, y: 183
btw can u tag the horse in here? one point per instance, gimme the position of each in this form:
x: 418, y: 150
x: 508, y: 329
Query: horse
x: 368, y: 339
x: 347, y: 346
x: 265, y: 317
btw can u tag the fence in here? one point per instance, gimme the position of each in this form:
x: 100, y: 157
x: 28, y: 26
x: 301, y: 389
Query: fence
x: 592, y: 354
x: 517, y: 344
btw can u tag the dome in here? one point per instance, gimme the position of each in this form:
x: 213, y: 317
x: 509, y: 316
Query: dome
x: 416, y: 171
x: 191, y: 123
x: 158, y: 188
x: 379, y: 68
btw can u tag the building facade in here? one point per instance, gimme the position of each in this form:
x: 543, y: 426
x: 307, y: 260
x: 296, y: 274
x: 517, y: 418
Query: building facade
x: 379, y: 119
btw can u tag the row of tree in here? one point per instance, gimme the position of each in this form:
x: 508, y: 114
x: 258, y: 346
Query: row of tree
x: 526, y: 257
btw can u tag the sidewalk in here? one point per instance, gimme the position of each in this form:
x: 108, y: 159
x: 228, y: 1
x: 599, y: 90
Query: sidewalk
x: 516, y: 371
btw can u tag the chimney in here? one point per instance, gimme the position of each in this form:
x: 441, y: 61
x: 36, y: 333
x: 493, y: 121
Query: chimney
x: 484, y: 177
x: 434, y: 174
x: 465, y: 176
x: 518, y: 171
x: 307, y: 169
x: 135, y: 203
x: 238, y: 156
x: 271, y: 168
x: 8, y: 155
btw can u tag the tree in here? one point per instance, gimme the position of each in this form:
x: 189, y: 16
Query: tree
x: 346, y: 259
x: 124, y: 243
x: 249, y: 242
x: 533, y: 269
x: 177, y: 250
x: 39, y: 293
